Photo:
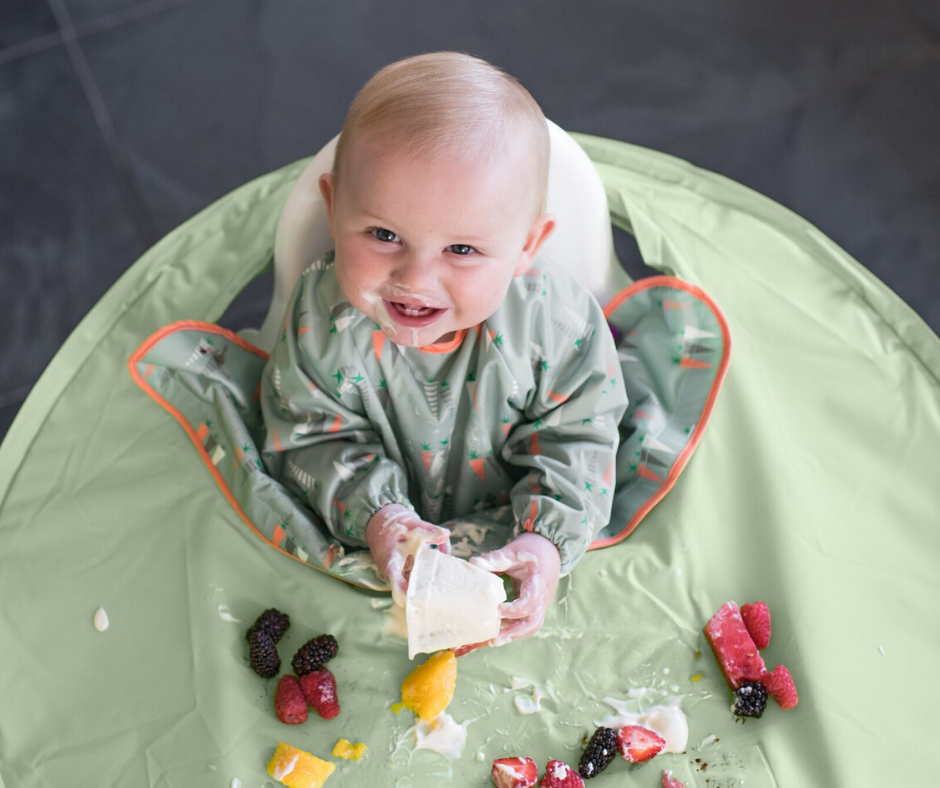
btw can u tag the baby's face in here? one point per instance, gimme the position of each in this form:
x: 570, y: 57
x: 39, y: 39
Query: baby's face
x: 426, y: 249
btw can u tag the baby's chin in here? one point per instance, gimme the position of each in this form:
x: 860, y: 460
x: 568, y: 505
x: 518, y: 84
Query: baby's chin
x: 416, y: 337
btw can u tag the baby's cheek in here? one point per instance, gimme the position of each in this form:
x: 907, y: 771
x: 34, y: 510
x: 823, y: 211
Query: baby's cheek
x: 480, y: 298
x: 358, y: 288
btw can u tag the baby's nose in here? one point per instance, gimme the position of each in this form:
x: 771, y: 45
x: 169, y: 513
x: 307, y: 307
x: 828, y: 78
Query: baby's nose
x: 415, y: 274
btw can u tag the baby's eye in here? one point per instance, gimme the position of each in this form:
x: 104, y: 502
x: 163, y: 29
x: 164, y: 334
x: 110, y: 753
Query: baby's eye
x: 461, y: 249
x: 381, y: 234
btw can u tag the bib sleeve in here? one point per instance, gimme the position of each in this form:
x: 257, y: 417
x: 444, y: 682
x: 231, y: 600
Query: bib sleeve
x: 569, y: 440
x: 319, y: 442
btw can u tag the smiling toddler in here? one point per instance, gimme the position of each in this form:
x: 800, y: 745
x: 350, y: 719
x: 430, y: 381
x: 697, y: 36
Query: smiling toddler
x: 435, y: 366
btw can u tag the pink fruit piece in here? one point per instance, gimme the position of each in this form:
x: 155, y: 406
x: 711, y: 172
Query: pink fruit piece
x: 735, y: 650
x: 514, y: 773
x: 757, y: 620
x: 290, y: 705
x: 462, y: 650
x: 319, y: 688
x: 671, y: 782
x: 780, y: 686
x: 560, y: 775
x: 639, y: 744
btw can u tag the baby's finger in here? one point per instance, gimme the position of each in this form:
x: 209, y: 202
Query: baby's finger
x: 530, y: 599
x: 393, y: 572
x: 496, y: 561
x: 439, y: 536
x: 518, y: 629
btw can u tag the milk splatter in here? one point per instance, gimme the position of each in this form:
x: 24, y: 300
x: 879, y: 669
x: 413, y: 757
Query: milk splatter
x: 101, y: 620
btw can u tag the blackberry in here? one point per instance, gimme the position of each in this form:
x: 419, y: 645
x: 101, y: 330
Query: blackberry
x: 600, y: 751
x: 273, y: 623
x: 314, y: 654
x: 750, y: 699
x: 263, y: 655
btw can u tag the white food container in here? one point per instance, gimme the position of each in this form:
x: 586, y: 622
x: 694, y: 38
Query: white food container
x: 450, y: 603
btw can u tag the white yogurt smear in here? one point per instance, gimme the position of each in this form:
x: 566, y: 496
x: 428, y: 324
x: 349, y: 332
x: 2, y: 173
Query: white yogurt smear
x: 710, y: 739
x: 531, y: 705
x: 442, y: 735
x: 281, y: 772
x: 226, y: 615
x: 101, y: 620
x: 395, y: 623
x: 667, y: 720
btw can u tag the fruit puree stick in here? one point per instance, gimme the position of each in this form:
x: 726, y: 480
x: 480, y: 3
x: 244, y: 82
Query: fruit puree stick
x: 738, y: 656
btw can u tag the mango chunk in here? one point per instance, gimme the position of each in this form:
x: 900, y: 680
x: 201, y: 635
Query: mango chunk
x: 298, y: 769
x: 348, y: 751
x: 430, y: 686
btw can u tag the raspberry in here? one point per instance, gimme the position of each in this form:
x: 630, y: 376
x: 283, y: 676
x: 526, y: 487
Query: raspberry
x: 601, y: 750
x: 560, y: 775
x: 514, y: 773
x: 671, y: 782
x: 750, y: 699
x: 779, y: 683
x: 314, y: 654
x: 290, y: 705
x: 319, y: 687
x: 639, y: 744
x: 263, y: 655
x: 272, y: 622
x: 734, y: 648
x: 757, y: 620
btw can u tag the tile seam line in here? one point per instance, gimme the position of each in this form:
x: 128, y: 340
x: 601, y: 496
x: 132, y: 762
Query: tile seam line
x: 143, y: 220
x: 32, y: 46
x: 90, y: 27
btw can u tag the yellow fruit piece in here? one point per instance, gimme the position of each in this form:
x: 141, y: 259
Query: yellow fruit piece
x: 298, y: 769
x: 696, y: 678
x: 430, y: 687
x: 348, y: 751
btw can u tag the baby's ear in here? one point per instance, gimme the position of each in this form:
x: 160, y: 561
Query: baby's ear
x: 328, y: 192
x: 541, y: 229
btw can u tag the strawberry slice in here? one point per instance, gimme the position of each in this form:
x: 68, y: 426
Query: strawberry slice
x: 560, y: 775
x: 639, y: 744
x: 514, y: 773
x: 671, y: 782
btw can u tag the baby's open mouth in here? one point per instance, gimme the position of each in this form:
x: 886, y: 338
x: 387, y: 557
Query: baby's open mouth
x: 412, y: 315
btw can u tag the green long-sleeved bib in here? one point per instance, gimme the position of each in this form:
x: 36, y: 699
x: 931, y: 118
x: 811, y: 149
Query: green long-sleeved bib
x: 517, y: 418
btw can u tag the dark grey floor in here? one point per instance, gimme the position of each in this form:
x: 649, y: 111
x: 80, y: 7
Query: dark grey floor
x: 121, y: 118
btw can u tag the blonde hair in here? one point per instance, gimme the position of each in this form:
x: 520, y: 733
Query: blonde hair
x: 448, y: 105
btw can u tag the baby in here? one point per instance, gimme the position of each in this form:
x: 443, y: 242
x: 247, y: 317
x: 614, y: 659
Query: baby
x: 433, y: 366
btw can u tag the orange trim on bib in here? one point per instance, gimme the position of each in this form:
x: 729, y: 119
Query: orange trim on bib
x: 446, y: 347
x: 683, y: 458
x: 212, y: 328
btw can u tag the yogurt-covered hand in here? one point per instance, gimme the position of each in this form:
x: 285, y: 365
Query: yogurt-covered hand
x: 394, y: 534
x: 533, y: 564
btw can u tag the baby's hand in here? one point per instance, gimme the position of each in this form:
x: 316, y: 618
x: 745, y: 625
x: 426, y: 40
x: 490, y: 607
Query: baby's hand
x: 533, y: 563
x: 394, y: 535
